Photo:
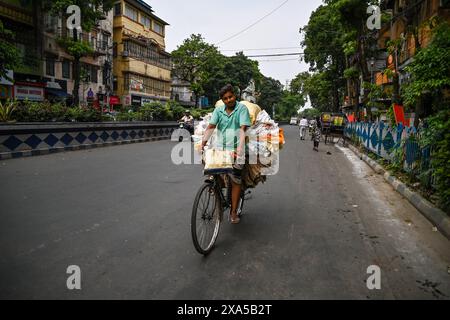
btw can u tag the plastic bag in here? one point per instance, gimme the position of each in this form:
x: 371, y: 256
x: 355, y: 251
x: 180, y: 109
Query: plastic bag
x: 217, y: 160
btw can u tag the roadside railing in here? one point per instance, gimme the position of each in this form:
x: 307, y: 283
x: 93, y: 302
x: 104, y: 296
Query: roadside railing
x: 396, y: 144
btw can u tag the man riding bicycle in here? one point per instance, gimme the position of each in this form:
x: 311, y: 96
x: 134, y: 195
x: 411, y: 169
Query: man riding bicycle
x: 232, y: 121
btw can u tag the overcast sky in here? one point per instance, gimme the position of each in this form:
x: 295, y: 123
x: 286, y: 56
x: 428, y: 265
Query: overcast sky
x: 217, y: 20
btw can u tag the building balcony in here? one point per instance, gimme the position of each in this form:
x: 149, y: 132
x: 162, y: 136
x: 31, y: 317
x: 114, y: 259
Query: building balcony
x: 142, y: 68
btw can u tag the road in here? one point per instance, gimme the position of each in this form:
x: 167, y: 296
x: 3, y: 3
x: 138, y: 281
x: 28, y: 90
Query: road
x: 122, y: 214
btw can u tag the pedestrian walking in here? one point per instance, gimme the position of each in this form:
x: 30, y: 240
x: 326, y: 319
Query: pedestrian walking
x: 316, y: 134
x: 303, y: 125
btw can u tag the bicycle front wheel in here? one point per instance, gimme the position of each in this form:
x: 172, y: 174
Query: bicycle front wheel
x: 205, y: 220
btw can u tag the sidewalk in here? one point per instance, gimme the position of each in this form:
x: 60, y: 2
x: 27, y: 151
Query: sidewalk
x: 435, y: 215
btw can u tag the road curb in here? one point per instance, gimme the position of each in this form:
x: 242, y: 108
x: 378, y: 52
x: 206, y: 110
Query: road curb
x: 435, y: 215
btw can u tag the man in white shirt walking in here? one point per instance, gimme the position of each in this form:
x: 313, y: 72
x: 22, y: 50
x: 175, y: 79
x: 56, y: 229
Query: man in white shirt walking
x: 303, y: 125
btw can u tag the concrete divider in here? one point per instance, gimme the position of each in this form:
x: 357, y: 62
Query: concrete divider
x: 31, y: 139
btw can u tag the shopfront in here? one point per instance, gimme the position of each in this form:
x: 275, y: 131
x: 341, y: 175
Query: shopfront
x: 6, y: 86
x: 29, y: 91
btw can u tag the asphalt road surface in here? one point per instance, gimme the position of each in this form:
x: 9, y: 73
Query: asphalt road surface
x: 122, y: 214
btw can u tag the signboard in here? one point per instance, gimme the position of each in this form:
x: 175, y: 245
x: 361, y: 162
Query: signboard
x: 136, y: 101
x: 399, y: 113
x: 326, y: 117
x: 114, y: 100
x: 136, y: 85
x: 22, y: 92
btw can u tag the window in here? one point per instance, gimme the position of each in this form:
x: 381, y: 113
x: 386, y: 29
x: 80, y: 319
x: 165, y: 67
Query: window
x: 147, y: 54
x: 50, y: 67
x: 118, y: 9
x: 158, y: 28
x: 94, y: 74
x: 104, y: 42
x: 131, y: 13
x: 66, y: 69
x: 146, y: 21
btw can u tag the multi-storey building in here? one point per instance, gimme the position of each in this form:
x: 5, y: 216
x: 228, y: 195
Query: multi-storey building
x: 182, y: 93
x: 142, y: 67
x: 408, y: 24
x: 23, y: 19
x: 96, y: 68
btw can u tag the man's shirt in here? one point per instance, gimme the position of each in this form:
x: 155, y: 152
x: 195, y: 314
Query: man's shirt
x: 229, y: 125
x: 188, y: 119
x: 303, y: 123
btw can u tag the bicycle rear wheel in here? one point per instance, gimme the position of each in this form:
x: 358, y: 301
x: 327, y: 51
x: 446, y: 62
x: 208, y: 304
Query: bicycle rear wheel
x: 206, y: 218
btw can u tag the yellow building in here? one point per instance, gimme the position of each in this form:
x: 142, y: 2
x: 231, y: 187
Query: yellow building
x: 142, y: 67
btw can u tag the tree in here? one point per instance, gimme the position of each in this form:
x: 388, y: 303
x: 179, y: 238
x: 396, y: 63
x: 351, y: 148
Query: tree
x: 198, y: 62
x: 92, y: 11
x: 311, y: 113
x: 430, y: 73
x: 323, y: 51
x: 9, y: 54
x: 241, y: 70
x: 271, y: 92
x: 289, y: 105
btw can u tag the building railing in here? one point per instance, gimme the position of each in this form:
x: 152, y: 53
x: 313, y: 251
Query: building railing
x: 398, y: 143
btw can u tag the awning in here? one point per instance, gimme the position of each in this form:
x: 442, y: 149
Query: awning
x: 57, y: 93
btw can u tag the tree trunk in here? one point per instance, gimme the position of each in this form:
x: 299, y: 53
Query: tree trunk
x: 76, y: 77
x: 76, y: 74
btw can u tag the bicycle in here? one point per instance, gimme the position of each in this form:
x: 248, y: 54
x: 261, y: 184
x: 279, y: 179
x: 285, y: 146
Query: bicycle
x: 209, y: 205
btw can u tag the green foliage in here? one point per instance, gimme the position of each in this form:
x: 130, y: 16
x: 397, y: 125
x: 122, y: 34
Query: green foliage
x: 351, y: 73
x: 207, y: 70
x: 7, y: 110
x: 437, y: 135
x: 9, y: 54
x: 289, y: 105
x: 391, y: 115
x: 177, y: 109
x: 350, y: 47
x: 80, y: 114
x: 195, y: 61
x: 156, y: 111
x: 75, y: 48
x: 28, y: 111
x: 311, y: 113
x: 430, y: 70
x: 271, y: 92
x: 241, y: 70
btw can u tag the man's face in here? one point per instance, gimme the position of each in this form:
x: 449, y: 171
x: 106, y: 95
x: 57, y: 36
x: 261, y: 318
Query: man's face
x: 229, y: 99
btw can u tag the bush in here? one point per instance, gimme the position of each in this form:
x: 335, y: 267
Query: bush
x: 80, y: 114
x: 437, y: 135
x: 28, y: 111
x: 158, y: 111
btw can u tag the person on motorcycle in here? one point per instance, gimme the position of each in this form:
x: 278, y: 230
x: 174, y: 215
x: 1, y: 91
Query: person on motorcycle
x: 303, y: 125
x: 188, y: 120
x: 232, y: 121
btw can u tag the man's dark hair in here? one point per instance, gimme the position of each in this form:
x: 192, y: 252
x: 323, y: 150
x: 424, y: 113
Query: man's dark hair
x: 224, y: 90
